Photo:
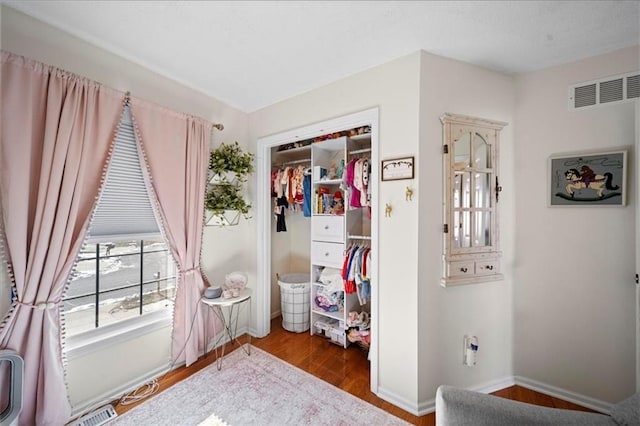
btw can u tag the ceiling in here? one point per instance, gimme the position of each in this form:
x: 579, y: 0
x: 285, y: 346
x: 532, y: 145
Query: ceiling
x: 251, y: 54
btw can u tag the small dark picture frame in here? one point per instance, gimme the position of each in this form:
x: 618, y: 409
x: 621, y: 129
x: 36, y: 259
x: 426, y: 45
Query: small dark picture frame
x: 397, y: 168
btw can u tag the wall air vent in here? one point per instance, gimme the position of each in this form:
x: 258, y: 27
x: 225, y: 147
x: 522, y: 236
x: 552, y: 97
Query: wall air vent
x: 605, y: 91
x: 585, y: 95
x: 611, y: 91
x: 633, y: 86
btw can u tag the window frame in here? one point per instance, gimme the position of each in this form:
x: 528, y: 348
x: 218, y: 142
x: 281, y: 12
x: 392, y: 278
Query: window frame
x: 108, y: 334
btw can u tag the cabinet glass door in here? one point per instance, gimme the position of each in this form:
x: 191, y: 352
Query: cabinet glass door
x: 471, y: 186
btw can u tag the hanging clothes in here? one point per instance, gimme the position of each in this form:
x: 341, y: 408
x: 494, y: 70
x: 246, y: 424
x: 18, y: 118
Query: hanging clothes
x: 297, y: 178
x: 361, y: 182
x: 354, y: 199
x: 357, y: 175
x: 306, y: 192
x: 279, y: 209
x: 354, y: 272
x: 289, y: 182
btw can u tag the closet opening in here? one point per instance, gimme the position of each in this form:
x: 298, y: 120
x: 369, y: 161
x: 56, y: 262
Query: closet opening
x: 317, y: 228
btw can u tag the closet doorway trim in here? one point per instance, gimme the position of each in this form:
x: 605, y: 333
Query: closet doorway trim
x: 264, y: 207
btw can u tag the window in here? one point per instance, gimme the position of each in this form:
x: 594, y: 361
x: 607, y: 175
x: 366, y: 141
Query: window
x: 115, y: 281
x: 126, y: 269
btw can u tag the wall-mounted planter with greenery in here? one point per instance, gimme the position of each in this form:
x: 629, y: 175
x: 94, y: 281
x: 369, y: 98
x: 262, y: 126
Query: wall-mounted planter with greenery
x: 229, y: 168
x: 230, y: 160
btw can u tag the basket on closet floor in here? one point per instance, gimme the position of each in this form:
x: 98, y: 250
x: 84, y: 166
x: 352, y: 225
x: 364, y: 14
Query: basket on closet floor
x: 294, y: 301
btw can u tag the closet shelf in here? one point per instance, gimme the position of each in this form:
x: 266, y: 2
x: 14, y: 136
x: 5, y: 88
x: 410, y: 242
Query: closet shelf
x: 328, y: 182
x: 361, y: 137
x: 294, y: 151
x: 339, y: 315
x: 359, y: 237
x: 360, y: 151
x: 292, y: 162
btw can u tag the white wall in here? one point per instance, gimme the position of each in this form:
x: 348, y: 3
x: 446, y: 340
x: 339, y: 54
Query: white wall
x: 483, y: 310
x: 93, y: 374
x: 290, y: 251
x: 394, y: 88
x: 571, y: 321
x: 573, y: 274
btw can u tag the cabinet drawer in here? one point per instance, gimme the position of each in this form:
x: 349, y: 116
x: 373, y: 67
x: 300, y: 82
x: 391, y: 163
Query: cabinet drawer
x: 328, y: 228
x: 486, y: 267
x: 461, y: 269
x: 327, y: 254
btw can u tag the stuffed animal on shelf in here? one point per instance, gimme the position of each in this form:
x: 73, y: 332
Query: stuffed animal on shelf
x: 337, y: 206
x: 332, y: 173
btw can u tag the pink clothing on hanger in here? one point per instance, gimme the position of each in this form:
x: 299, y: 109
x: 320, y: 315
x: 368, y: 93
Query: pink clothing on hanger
x: 354, y: 201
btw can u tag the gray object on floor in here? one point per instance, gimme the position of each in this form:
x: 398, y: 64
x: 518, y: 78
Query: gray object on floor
x: 9, y: 416
x: 463, y: 407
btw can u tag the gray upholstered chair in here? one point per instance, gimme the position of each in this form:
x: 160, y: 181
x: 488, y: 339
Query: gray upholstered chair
x: 463, y: 407
x: 15, y: 370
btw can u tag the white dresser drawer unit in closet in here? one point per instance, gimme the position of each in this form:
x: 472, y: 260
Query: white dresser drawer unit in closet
x: 328, y: 228
x: 327, y: 254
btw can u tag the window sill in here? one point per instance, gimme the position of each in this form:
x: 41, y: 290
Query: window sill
x: 95, y: 340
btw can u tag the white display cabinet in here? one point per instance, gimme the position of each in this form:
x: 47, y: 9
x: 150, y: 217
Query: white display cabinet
x: 471, y: 243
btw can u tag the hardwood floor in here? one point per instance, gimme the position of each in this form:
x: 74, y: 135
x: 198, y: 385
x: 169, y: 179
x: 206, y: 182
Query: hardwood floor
x: 347, y: 369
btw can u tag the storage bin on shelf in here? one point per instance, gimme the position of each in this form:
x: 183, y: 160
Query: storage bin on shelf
x: 294, y: 301
x: 332, y: 329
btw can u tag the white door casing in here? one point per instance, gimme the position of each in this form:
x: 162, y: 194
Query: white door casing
x: 264, y: 207
x: 637, y: 203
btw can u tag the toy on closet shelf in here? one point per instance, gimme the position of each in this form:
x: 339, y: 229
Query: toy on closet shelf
x: 332, y: 173
x: 359, y: 324
x: 337, y: 205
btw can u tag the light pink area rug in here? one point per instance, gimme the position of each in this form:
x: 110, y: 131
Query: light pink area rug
x: 255, y: 390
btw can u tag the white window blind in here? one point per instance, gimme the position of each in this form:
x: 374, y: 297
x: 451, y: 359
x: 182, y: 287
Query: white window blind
x: 124, y: 209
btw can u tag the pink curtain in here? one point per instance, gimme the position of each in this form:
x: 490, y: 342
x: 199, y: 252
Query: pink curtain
x: 176, y: 149
x: 56, y: 133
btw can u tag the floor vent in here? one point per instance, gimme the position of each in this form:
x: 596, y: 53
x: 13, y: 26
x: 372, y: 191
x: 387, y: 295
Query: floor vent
x: 96, y: 418
x: 607, y: 90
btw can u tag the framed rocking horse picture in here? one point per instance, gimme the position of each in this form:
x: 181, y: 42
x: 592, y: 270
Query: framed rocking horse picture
x: 588, y: 178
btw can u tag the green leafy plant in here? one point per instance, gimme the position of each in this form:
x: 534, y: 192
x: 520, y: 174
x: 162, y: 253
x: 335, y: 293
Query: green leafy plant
x: 231, y: 158
x: 226, y: 196
x: 226, y: 193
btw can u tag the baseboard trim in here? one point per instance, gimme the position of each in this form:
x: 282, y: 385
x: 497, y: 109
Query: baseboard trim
x: 88, y: 405
x: 576, y: 398
x: 222, y: 338
x: 494, y: 386
x: 429, y: 406
x: 400, y: 402
x: 426, y: 407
